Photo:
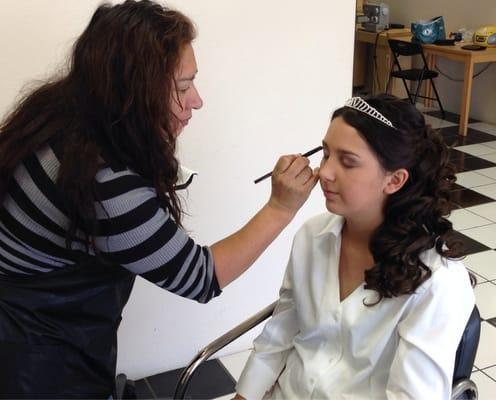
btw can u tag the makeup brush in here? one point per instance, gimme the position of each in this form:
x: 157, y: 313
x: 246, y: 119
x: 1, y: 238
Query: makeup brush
x: 307, y: 154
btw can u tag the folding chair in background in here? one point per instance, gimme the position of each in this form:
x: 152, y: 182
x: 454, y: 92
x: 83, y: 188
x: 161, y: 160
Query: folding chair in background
x: 400, y: 48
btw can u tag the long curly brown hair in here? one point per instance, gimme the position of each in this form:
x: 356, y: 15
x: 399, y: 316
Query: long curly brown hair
x: 113, y: 104
x: 415, y: 216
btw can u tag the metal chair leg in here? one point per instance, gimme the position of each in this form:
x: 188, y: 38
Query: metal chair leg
x: 407, y: 91
x: 438, y: 99
x: 417, y: 90
x: 419, y: 84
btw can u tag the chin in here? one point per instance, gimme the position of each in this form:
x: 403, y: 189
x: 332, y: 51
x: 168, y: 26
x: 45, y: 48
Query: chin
x: 333, y: 208
x: 178, y: 131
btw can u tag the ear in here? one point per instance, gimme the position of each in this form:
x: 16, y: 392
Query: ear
x: 396, y: 180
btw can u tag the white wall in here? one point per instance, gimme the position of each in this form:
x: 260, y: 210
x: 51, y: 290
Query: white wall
x: 457, y: 14
x: 270, y: 73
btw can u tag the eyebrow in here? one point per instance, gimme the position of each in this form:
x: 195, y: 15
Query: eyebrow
x: 341, y: 151
x: 188, y: 78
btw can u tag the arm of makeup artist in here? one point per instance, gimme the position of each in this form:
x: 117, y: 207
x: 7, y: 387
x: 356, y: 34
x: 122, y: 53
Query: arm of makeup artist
x: 292, y: 182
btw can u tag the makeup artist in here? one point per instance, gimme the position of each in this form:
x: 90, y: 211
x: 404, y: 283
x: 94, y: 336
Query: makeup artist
x: 88, y: 191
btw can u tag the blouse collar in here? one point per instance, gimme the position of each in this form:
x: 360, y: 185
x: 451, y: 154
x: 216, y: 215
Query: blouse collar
x: 333, y: 227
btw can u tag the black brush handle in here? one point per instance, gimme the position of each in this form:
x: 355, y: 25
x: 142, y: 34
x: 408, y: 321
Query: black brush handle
x: 307, y: 154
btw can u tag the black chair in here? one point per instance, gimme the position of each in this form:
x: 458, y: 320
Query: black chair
x: 463, y: 387
x: 401, y: 48
x: 124, y: 388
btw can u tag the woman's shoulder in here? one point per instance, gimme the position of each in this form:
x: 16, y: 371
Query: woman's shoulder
x: 448, y: 275
x: 110, y: 173
x: 122, y: 191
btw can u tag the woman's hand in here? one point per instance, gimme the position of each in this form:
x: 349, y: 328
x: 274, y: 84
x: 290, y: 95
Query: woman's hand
x: 292, y: 182
x: 238, y: 397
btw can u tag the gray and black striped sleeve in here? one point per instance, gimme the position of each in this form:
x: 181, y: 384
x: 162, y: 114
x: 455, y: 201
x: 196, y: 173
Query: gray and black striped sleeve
x: 136, y: 233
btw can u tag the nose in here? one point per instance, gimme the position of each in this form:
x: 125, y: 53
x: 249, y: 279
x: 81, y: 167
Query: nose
x: 327, y: 171
x: 196, y: 100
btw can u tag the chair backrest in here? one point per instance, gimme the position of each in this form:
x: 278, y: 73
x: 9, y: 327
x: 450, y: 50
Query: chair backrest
x: 467, y: 349
x: 402, y: 48
x: 409, y: 49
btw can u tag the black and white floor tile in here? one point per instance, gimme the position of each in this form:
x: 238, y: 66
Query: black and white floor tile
x: 474, y: 218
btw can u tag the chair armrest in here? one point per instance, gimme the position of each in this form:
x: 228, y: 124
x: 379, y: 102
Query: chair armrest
x: 217, y: 345
x: 461, y: 386
x: 120, y: 385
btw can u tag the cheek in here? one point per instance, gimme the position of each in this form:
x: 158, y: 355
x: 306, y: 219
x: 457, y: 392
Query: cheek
x: 174, y: 107
x: 362, y: 188
x: 375, y: 193
x: 177, y: 106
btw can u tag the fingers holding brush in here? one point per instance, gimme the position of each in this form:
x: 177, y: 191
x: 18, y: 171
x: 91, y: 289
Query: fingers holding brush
x: 292, y: 182
x: 285, y: 162
x: 307, y: 175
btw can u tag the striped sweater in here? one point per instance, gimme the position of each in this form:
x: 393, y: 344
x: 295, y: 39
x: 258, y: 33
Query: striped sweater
x: 134, y: 231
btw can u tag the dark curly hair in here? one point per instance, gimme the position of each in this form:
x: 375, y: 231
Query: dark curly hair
x: 112, y: 104
x: 415, y: 216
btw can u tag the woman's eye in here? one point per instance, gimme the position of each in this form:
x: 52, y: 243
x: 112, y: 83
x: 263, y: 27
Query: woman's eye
x: 183, y: 88
x: 347, y: 162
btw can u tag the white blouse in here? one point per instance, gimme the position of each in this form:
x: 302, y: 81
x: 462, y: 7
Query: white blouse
x: 316, y: 346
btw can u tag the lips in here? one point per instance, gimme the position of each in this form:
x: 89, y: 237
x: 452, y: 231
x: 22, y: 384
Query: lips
x: 329, y: 194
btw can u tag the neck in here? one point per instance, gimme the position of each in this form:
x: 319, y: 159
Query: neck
x: 360, y: 230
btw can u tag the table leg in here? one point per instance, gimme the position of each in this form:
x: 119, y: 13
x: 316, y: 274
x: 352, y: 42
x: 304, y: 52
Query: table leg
x: 381, y: 74
x: 466, y: 96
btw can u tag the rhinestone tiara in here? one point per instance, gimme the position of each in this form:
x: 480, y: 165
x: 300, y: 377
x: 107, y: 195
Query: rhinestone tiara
x: 361, y: 105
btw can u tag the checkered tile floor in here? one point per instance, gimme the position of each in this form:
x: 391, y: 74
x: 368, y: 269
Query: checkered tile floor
x: 474, y: 217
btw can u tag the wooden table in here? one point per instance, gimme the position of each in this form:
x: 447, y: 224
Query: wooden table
x: 469, y: 59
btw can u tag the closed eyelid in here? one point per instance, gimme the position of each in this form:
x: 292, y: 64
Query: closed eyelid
x: 349, y: 161
x: 183, y: 87
x: 350, y: 156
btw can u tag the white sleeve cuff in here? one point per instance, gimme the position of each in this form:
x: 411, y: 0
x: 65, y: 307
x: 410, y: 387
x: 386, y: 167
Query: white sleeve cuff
x: 256, y: 379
